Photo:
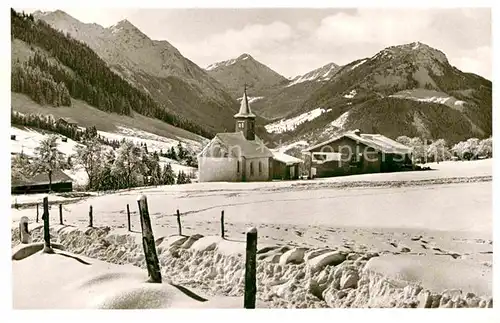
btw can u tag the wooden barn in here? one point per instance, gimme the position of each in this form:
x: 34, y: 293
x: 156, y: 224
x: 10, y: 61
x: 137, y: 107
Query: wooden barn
x: 357, y: 153
x: 238, y: 156
x: 285, y: 166
x: 67, y: 122
x: 40, y: 184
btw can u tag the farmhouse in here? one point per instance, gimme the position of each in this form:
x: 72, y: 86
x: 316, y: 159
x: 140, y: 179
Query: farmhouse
x: 357, y: 153
x: 285, y: 166
x: 67, y: 122
x: 238, y: 156
x: 40, y: 184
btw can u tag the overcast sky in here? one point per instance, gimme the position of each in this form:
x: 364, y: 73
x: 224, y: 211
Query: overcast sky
x: 294, y: 41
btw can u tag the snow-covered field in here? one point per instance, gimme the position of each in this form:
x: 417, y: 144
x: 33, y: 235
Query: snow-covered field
x: 292, y: 123
x: 431, y: 217
x: 28, y: 139
x: 154, y: 142
x: 423, y: 95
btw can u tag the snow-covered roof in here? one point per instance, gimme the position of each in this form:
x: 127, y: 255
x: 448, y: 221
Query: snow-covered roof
x: 376, y: 141
x: 287, y: 159
x: 58, y: 176
x: 237, y: 144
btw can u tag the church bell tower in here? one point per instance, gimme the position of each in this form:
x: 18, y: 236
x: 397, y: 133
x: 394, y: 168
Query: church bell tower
x: 245, y: 119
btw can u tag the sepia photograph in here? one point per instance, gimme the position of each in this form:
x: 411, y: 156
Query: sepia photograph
x: 251, y: 158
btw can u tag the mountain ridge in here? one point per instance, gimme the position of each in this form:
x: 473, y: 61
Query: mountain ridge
x: 178, y: 83
x: 380, y: 93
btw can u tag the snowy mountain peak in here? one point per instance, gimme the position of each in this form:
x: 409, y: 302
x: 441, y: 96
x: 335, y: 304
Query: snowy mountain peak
x: 127, y: 28
x: 244, y: 57
x: 123, y: 25
x: 229, y: 62
x: 235, y: 73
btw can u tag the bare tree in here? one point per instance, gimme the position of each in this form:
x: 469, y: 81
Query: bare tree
x: 48, y: 159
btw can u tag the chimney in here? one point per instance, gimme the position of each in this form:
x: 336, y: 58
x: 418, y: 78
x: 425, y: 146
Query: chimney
x: 357, y: 132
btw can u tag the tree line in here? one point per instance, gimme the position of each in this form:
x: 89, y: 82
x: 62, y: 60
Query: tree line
x: 91, y: 81
x: 49, y: 123
x: 438, y: 150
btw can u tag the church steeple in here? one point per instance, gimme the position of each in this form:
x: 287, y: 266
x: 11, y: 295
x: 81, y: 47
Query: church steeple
x: 245, y: 119
x: 245, y: 111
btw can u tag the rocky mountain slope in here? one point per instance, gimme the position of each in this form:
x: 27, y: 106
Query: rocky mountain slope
x: 155, y: 67
x: 285, y: 100
x: 409, y: 89
x: 272, y: 96
x: 234, y: 74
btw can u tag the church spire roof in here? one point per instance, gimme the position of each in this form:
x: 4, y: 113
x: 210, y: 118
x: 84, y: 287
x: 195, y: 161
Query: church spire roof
x: 245, y: 111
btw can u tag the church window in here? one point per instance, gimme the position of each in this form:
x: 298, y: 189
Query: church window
x: 251, y: 168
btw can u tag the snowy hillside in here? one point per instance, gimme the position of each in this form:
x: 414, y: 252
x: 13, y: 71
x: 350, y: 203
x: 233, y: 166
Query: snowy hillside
x: 409, y: 89
x: 153, y: 141
x: 154, y: 66
x: 292, y: 123
x: 28, y: 139
x: 423, y: 95
x: 323, y: 73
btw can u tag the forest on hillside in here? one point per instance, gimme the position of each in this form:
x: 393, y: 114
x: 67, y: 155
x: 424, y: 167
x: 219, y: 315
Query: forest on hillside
x: 91, y: 81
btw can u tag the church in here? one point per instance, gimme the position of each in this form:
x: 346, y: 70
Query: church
x: 238, y: 156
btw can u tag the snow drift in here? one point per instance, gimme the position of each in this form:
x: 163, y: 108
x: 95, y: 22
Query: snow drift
x: 287, y: 277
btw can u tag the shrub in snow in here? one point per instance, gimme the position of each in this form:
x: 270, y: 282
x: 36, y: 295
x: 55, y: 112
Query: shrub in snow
x: 467, y: 150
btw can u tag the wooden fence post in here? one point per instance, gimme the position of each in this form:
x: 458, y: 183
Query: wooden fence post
x: 60, y: 214
x: 91, y: 218
x: 222, y: 224
x: 128, y: 219
x: 148, y: 241
x: 179, y: 222
x: 251, y: 269
x: 46, y: 226
x: 37, y: 212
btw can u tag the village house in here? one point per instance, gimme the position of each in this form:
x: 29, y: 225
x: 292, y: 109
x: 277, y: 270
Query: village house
x: 238, y: 156
x: 357, y: 153
x: 285, y: 166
